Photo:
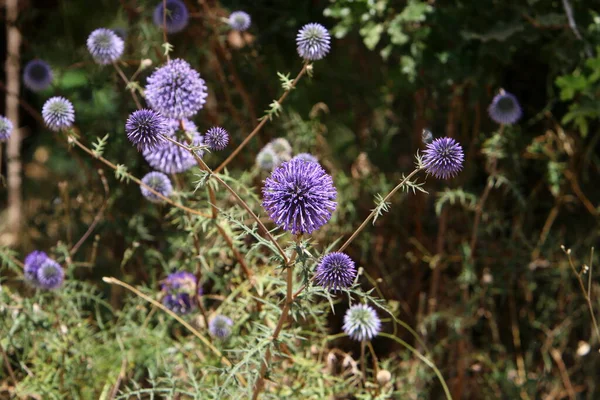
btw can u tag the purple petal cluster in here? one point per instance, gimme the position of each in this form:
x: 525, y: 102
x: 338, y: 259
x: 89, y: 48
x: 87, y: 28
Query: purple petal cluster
x: 179, y: 290
x: 50, y: 275
x: 505, y: 109
x: 58, y: 113
x: 313, y: 42
x: 176, y: 90
x: 37, y: 75
x: 160, y: 183
x: 177, y: 16
x: 220, y: 327
x: 32, y: 264
x: 239, y: 20
x: 299, y: 196
x: 216, y: 138
x: 105, y: 46
x: 443, y: 158
x: 306, y: 157
x: 335, y: 271
x: 6, y: 128
x: 145, y: 129
x: 361, y: 322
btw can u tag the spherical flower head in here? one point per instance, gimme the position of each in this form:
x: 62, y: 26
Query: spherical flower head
x: 145, y: 129
x: 105, y: 46
x: 313, y: 42
x: 220, y: 327
x: 239, y: 20
x: 6, y: 128
x: 335, y: 271
x: 282, y: 148
x: 176, y: 90
x: 160, y: 183
x: 505, y: 109
x: 58, y: 113
x: 306, y: 157
x: 179, y: 291
x: 177, y: 16
x: 361, y: 322
x: 169, y: 158
x: 443, y: 158
x: 50, y: 275
x: 32, y: 264
x: 299, y: 196
x: 216, y: 138
x: 37, y: 75
x: 266, y: 159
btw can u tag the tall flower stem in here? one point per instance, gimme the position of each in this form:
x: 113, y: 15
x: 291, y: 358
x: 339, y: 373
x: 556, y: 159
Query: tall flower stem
x: 132, y: 90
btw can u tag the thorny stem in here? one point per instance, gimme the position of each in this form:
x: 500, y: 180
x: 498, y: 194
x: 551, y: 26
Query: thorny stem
x: 132, y: 90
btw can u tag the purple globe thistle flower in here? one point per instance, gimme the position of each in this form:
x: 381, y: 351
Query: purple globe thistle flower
x: 105, y: 46
x: 505, y: 108
x: 335, y: 271
x: 306, y: 157
x: 6, y: 128
x: 220, y: 327
x: 50, y: 275
x: 239, y: 20
x: 176, y: 90
x: 160, y: 183
x: 145, y: 129
x: 170, y: 158
x: 313, y: 42
x: 58, y: 113
x: 179, y: 290
x: 32, y: 264
x: 177, y: 16
x: 216, y: 138
x: 443, y: 158
x: 266, y: 159
x: 299, y: 196
x: 37, y: 75
x: 361, y: 322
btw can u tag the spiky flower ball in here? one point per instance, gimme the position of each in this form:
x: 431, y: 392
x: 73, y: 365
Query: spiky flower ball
x: 37, y: 75
x: 282, y: 148
x: 239, y: 20
x: 216, y: 138
x: 179, y: 290
x: 50, y: 275
x: 361, y: 322
x: 443, y: 158
x: 177, y: 16
x: 313, y: 42
x: 176, y: 90
x: 6, y: 128
x: 220, y: 327
x: 58, y: 113
x: 306, y: 157
x: 105, y: 46
x: 335, y: 271
x: 145, y: 129
x: 299, y: 196
x: 32, y: 264
x: 266, y: 159
x: 160, y: 183
x: 505, y: 108
x: 169, y: 158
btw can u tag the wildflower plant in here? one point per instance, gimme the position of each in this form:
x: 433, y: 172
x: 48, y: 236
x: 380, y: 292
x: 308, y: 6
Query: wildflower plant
x: 176, y: 17
x: 37, y: 75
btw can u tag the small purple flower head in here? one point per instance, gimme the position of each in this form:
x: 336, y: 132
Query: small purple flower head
x: 266, y: 159
x: 443, y: 158
x: 299, y: 196
x: 216, y: 138
x: 282, y: 148
x: 179, y: 291
x: 170, y: 158
x: 145, y: 129
x: 306, y: 157
x: 239, y: 20
x: 58, y: 113
x: 313, y: 42
x: 50, y: 275
x: 505, y: 108
x: 335, y: 271
x: 220, y: 327
x: 361, y: 322
x: 32, y: 264
x: 105, y: 46
x: 176, y: 90
x: 177, y: 16
x: 6, y: 128
x: 37, y: 75
x: 160, y: 183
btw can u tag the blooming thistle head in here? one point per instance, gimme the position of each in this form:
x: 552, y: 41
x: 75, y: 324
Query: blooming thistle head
x: 361, y: 322
x: 266, y: 159
x: 299, y: 196
x: 443, y: 158
x: 160, y: 183
x: 306, y: 157
x: 176, y: 90
x: 177, y: 16
x: 58, y: 113
x: 37, y: 75
x: 282, y: 148
x: 6, y: 128
x: 220, y: 327
x: 239, y: 20
x: 145, y: 129
x: 313, y: 42
x: 335, y: 271
x: 216, y: 138
x: 32, y: 264
x: 50, y: 275
x: 179, y: 290
x: 505, y: 108
x: 105, y: 46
